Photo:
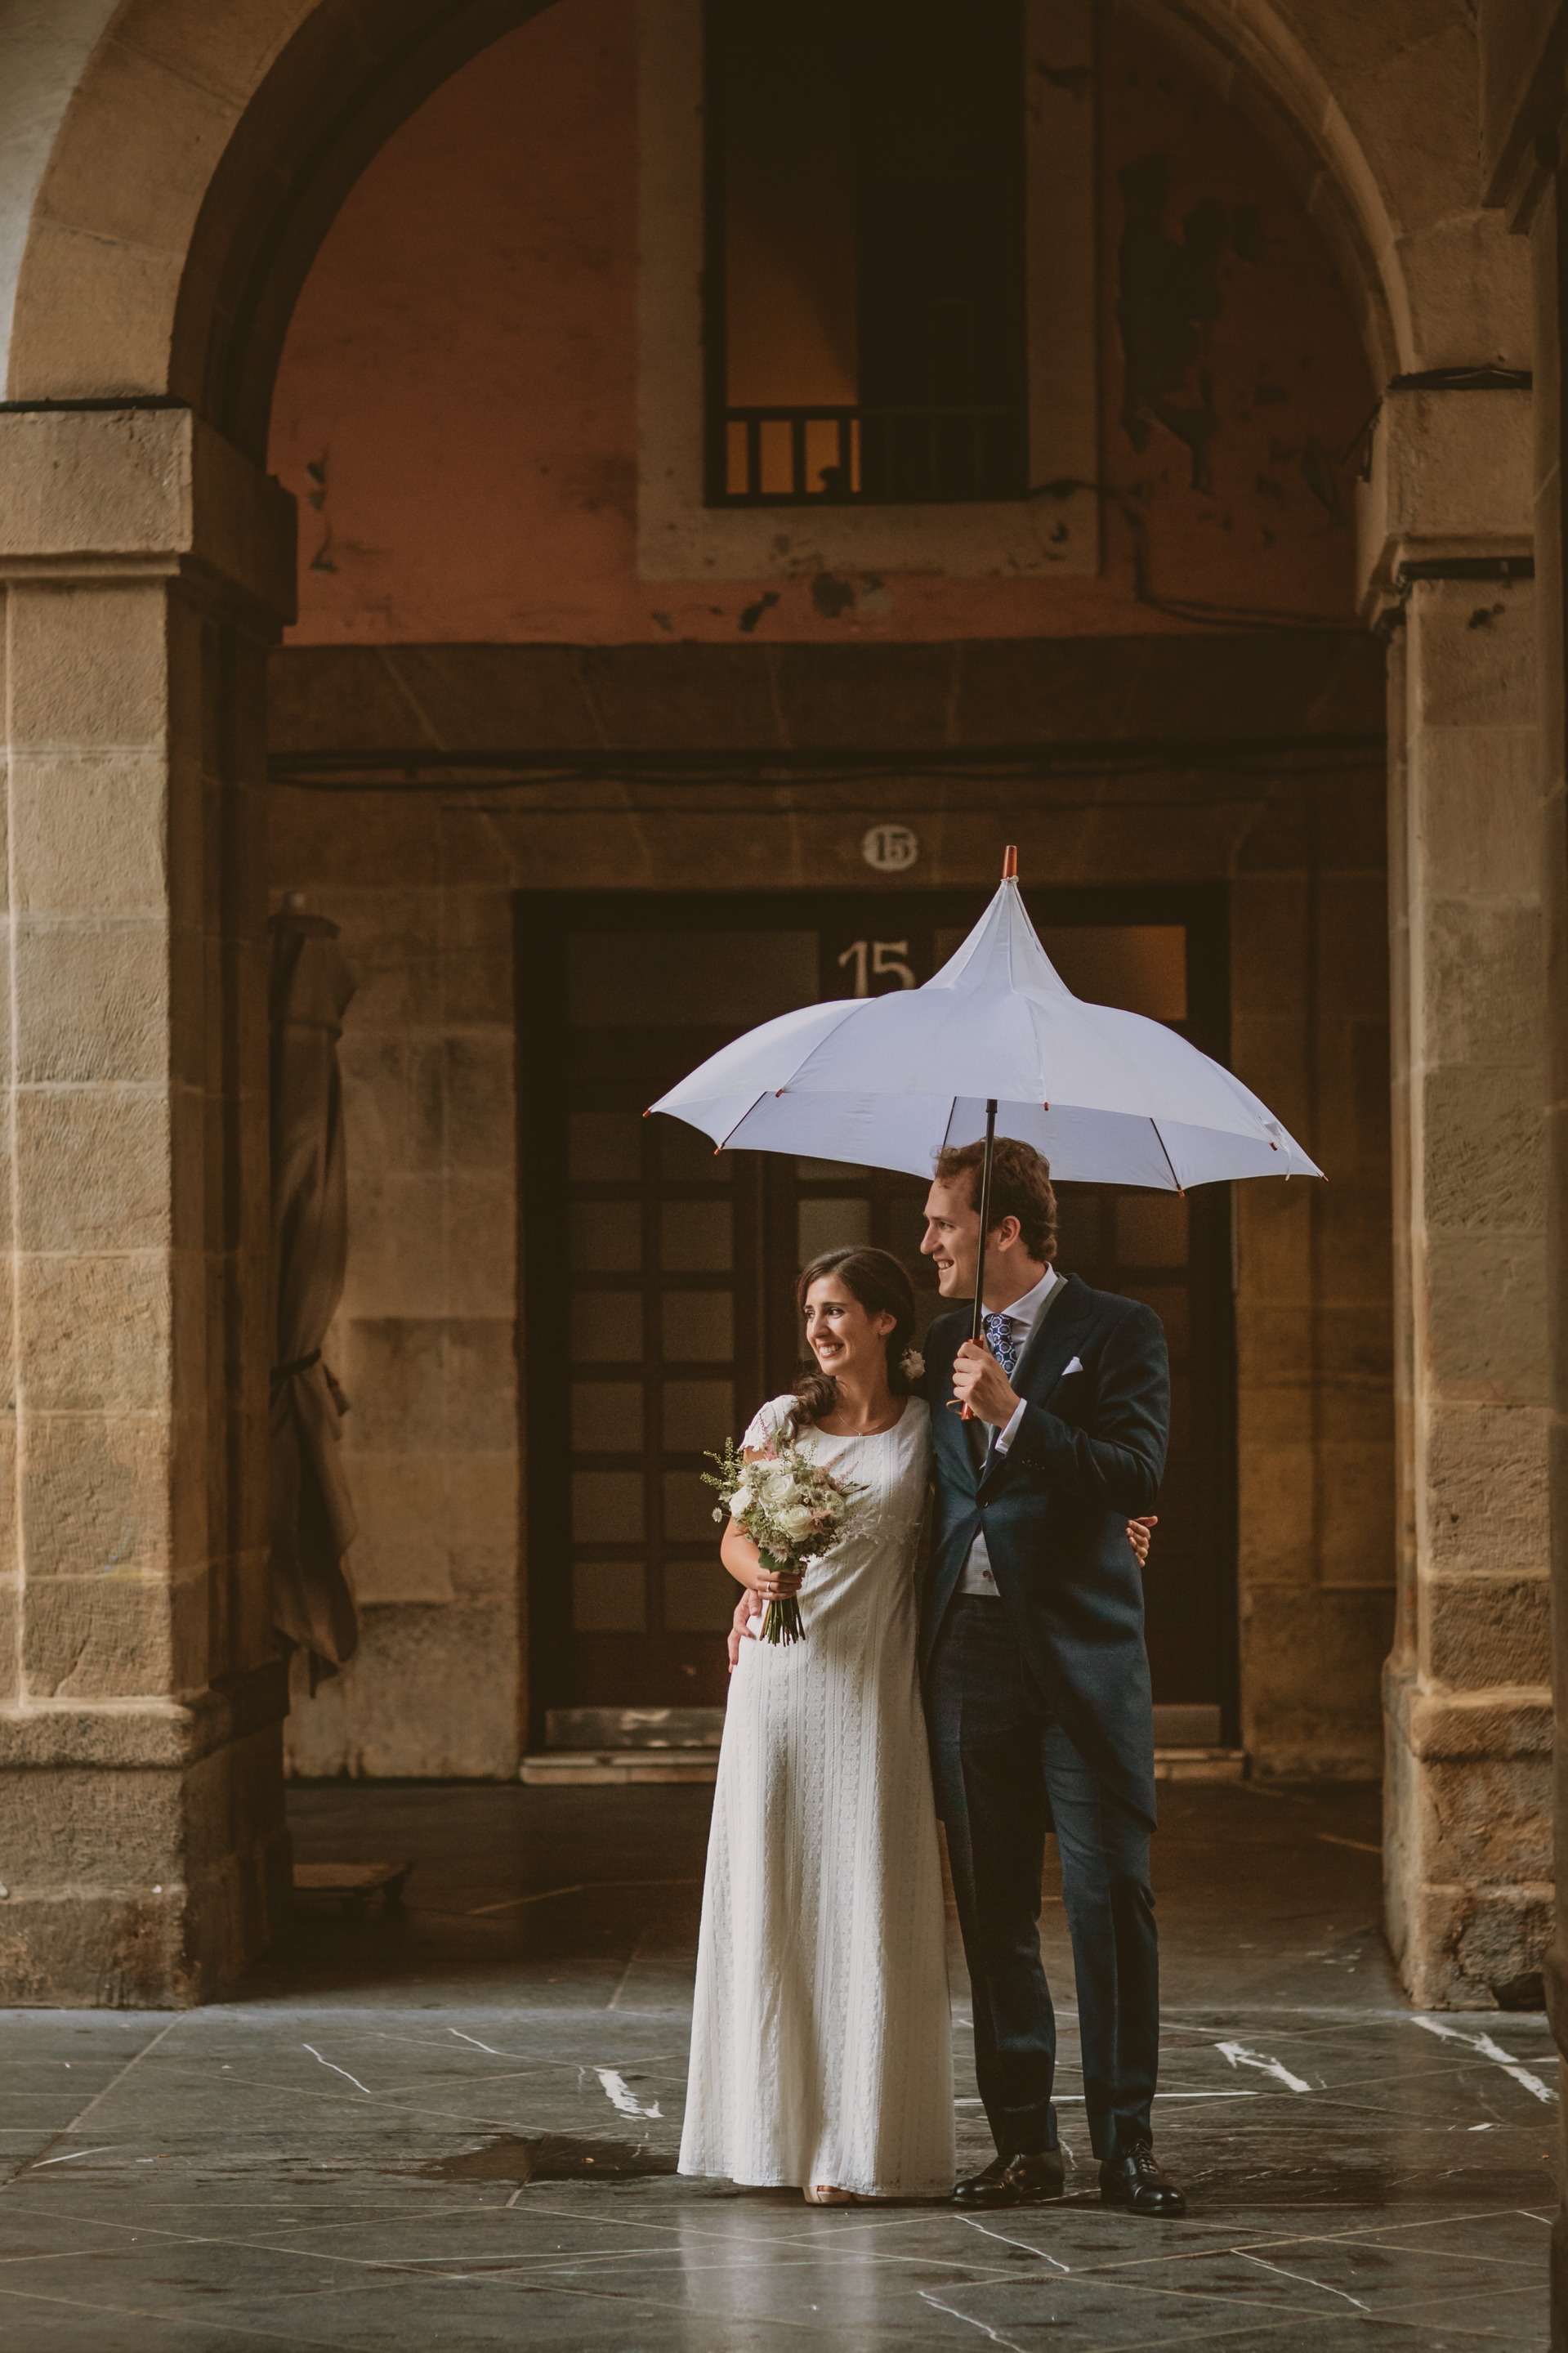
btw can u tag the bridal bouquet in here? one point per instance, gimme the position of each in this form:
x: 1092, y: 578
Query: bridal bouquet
x: 791, y: 1508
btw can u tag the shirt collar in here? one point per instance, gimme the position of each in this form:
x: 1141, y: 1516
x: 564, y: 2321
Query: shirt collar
x: 1024, y: 1310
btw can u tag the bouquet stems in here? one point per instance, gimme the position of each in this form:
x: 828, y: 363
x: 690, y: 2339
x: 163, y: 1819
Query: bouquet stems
x: 782, y: 1620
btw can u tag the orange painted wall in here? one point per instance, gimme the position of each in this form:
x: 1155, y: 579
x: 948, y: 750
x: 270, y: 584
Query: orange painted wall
x: 461, y: 370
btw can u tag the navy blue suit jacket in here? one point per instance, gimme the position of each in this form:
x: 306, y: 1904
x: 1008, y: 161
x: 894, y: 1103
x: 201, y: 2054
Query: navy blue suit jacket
x: 1085, y: 1459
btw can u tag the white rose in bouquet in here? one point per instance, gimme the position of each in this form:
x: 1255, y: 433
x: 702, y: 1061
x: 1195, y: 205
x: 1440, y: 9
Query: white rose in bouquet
x: 797, y: 1510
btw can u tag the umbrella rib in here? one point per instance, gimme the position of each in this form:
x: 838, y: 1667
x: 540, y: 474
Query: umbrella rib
x: 746, y: 1114
x: 1161, y: 1142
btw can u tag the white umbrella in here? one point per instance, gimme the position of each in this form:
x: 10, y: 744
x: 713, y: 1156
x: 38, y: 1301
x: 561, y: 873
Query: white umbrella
x: 886, y: 1081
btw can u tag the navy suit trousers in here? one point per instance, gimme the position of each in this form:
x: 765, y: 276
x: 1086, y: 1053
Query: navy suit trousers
x: 1006, y: 1774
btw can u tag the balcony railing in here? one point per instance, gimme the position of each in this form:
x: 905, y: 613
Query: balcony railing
x: 869, y: 456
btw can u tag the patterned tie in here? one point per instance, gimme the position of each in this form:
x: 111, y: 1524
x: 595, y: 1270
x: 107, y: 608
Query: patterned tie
x: 1004, y: 1347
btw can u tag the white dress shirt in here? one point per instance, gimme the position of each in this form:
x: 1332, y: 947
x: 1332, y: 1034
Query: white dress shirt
x: 1022, y: 1316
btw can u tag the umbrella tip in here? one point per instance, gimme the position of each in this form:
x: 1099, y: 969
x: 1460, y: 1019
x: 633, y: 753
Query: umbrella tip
x: 1010, y: 863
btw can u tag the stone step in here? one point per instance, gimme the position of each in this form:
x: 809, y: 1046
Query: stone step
x: 1175, y: 1726
x: 562, y: 1769
x: 633, y: 1727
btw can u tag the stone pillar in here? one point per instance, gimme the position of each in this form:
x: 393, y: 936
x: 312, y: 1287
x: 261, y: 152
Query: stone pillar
x: 1468, y: 1705
x: 146, y: 565
x: 1548, y: 252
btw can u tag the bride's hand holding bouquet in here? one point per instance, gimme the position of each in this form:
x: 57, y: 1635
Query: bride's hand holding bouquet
x: 792, y: 1510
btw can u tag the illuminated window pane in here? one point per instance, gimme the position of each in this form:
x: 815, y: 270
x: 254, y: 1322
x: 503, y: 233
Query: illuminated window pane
x: 696, y: 1237
x: 606, y: 1506
x: 698, y: 1415
x: 698, y: 1327
x: 606, y: 1146
x: 831, y: 1225
x: 607, y: 1327
x: 607, y: 1236
x: 688, y: 1509
x: 1152, y: 1230
x: 607, y: 1417
x: 608, y: 1598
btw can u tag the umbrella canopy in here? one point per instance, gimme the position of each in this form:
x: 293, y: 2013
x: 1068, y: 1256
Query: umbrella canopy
x: 886, y: 1082
x: 311, y: 1513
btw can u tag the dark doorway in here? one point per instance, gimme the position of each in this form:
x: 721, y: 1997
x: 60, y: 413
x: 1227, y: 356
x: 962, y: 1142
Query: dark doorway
x: 658, y: 1275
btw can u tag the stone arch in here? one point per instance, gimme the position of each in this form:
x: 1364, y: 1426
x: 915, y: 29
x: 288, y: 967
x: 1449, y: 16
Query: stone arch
x: 1361, y: 109
x: 194, y: 173
x: 183, y: 166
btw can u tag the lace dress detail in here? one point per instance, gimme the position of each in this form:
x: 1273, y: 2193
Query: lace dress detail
x: 821, y: 2032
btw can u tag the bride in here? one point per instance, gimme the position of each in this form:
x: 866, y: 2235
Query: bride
x: 821, y: 2038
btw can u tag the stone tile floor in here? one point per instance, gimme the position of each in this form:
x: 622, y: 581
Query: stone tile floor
x: 455, y: 2128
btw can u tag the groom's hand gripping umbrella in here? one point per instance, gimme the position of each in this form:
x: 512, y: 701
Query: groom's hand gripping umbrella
x: 1109, y: 1097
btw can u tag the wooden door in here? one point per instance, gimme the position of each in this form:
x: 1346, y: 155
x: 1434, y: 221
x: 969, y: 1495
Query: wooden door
x: 658, y: 1277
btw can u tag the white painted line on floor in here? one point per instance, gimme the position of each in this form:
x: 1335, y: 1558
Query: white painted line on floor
x: 619, y: 2093
x: 614, y: 2000
x: 1304, y: 2281
x: 100, y: 2150
x: 953, y: 2313
x: 1061, y: 2099
x: 78, y: 2121
x: 516, y: 1903
x: 338, y: 2071
x: 1240, y: 2056
x: 474, y: 2038
x: 580, y: 1887
x: 1492, y: 2051
x: 1006, y: 2242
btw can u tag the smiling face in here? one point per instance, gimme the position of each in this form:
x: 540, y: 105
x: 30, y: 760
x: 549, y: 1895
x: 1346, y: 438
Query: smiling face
x: 951, y: 1239
x: 844, y: 1336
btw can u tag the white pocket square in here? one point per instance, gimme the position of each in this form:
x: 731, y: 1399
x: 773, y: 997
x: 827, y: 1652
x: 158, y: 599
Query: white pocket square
x: 1076, y: 1366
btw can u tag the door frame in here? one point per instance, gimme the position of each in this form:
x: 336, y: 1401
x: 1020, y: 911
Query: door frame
x: 543, y: 923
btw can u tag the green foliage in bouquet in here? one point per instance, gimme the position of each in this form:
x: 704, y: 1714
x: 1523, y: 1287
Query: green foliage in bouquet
x: 792, y: 1509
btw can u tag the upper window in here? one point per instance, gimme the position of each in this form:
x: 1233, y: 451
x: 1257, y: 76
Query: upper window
x: 866, y: 326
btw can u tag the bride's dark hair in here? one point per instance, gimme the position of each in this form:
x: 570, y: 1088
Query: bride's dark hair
x: 875, y: 1277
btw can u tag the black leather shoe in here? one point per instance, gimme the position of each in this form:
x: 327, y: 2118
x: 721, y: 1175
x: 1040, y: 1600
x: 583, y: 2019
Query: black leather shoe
x: 1136, y: 2182
x: 1015, y: 2181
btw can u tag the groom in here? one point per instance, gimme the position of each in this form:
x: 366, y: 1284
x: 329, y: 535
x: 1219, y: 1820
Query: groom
x: 1036, y: 1681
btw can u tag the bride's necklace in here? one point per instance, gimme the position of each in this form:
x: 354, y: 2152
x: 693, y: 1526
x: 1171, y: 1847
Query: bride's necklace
x: 835, y: 1428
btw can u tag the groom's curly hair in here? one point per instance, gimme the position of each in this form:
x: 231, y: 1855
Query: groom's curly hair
x: 1021, y: 1188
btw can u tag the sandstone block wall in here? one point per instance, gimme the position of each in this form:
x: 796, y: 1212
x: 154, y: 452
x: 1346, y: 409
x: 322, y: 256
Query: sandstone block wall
x: 144, y: 563
x: 420, y: 880
x: 424, y: 1341
x: 1467, y: 1686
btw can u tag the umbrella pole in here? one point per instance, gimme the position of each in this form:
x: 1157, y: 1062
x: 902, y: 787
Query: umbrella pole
x: 984, y: 1228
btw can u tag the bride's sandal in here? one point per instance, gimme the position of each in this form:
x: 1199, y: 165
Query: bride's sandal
x: 822, y: 2193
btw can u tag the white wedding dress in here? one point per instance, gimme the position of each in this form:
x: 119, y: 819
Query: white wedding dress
x: 821, y: 2034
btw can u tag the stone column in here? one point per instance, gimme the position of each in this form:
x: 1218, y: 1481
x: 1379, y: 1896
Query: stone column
x: 1549, y: 254
x: 1467, y: 1705
x: 146, y: 565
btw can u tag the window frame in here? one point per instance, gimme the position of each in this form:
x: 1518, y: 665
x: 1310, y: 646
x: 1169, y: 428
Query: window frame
x: 681, y: 535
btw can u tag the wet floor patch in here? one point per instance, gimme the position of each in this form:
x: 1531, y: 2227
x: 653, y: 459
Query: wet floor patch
x: 551, y: 2157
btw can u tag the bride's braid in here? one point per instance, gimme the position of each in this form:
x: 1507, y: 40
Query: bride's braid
x: 882, y: 1287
